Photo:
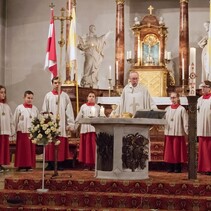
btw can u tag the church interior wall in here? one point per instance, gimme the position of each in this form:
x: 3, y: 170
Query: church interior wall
x: 2, y: 39
x: 27, y: 29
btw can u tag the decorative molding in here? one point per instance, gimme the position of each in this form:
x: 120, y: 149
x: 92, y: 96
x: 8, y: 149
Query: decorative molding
x: 120, y: 1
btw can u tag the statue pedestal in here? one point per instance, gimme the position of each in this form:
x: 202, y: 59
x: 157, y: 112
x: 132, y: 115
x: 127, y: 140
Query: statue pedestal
x: 111, y: 136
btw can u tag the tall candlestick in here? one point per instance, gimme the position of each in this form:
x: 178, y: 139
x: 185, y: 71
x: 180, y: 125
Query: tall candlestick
x: 109, y: 76
x: 117, y: 70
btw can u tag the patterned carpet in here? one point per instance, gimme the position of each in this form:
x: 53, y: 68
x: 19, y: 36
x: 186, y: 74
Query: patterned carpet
x: 80, y: 190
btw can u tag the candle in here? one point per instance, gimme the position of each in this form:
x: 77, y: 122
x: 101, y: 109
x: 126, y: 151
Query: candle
x: 130, y: 54
x: 109, y: 76
x: 92, y: 111
x: 193, y: 56
x: 192, y: 72
x: 117, y: 70
x: 102, y: 111
x: 127, y: 55
x: 169, y: 55
x: 183, y: 68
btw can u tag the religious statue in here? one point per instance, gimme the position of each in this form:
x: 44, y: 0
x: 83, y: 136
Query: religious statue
x: 92, y: 46
x: 206, y: 74
x: 161, y: 21
x: 136, y: 21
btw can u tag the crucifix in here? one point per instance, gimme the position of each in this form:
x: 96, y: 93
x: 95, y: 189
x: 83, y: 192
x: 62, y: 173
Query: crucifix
x: 150, y: 8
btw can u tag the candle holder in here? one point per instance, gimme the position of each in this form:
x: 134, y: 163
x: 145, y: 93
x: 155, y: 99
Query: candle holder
x: 118, y: 88
x: 131, y: 61
x: 184, y: 89
x: 109, y: 88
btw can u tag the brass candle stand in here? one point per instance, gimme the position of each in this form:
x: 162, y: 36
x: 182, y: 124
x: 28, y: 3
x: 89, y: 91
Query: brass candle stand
x: 118, y: 88
x: 184, y: 91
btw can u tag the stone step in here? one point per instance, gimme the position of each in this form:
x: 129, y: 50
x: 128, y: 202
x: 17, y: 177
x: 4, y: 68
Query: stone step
x: 64, y: 208
x: 158, y: 183
x: 74, y: 199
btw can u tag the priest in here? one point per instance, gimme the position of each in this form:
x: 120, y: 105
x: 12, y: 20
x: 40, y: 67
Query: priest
x: 135, y: 96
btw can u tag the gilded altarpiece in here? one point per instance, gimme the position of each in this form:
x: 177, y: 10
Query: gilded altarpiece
x: 149, y: 61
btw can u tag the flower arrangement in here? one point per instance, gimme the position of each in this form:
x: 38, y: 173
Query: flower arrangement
x: 44, y: 129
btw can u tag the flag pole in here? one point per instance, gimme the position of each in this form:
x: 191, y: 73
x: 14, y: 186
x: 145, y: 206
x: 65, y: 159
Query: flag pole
x: 61, y: 43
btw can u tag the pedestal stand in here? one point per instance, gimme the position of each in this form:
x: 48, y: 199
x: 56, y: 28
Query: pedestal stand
x: 43, y: 190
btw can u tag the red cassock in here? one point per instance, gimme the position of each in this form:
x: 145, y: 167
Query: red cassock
x: 4, y: 150
x: 63, y: 150
x: 175, y: 149
x: 204, y: 159
x: 25, y: 151
x: 87, y: 148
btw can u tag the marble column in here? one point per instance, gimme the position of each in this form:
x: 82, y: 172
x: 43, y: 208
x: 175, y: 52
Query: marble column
x: 120, y: 45
x: 183, y: 43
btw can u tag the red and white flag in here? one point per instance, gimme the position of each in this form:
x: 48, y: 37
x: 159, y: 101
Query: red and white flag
x: 50, y: 59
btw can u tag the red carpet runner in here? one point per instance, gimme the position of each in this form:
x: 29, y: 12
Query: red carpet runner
x: 82, y: 191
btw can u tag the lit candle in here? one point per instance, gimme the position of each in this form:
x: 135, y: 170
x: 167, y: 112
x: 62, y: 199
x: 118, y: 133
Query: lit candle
x: 109, y: 76
x: 117, y: 70
x: 102, y: 111
x: 92, y: 112
x: 183, y: 68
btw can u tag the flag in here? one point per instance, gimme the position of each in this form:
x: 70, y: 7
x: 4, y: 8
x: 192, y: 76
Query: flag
x: 71, y: 44
x: 50, y: 59
x: 209, y: 49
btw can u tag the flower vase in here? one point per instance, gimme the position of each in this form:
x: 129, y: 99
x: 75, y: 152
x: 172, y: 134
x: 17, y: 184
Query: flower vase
x: 43, y: 190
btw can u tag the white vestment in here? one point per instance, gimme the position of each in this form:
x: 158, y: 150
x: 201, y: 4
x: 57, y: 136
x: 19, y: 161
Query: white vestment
x: 6, y: 120
x: 204, y: 117
x: 135, y: 98
x: 66, y: 115
x: 23, y: 117
x: 177, y: 121
x: 85, y: 112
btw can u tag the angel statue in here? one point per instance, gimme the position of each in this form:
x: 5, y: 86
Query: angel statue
x: 92, y: 46
x: 205, y: 75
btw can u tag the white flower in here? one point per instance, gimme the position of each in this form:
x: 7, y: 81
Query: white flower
x: 39, y: 136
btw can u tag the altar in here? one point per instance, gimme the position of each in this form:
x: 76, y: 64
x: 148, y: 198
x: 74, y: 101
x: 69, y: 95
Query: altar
x: 122, y: 147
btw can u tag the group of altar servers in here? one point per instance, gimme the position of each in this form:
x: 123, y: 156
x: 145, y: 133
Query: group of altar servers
x: 18, y: 125
x: 134, y: 97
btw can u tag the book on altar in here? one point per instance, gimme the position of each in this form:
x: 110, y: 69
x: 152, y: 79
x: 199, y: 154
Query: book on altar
x: 151, y: 114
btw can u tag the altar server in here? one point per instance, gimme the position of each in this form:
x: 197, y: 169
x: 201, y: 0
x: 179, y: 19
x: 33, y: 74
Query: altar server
x: 25, y: 156
x: 87, y: 133
x: 204, y: 129
x: 175, y: 149
x: 7, y: 129
x: 61, y: 108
